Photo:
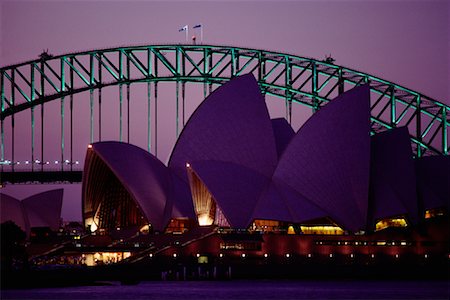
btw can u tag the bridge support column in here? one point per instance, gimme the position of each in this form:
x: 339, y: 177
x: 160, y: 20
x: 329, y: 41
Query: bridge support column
x: 149, y: 118
x: 314, y: 87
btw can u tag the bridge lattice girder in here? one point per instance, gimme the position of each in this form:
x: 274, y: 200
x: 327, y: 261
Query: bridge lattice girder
x: 296, y: 79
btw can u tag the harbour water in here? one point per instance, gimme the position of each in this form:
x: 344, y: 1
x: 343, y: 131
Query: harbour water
x: 244, y: 289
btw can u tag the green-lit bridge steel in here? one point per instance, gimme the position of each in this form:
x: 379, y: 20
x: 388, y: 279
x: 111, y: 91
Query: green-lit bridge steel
x: 295, y: 79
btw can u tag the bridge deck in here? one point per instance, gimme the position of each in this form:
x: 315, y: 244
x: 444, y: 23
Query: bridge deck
x: 40, y: 177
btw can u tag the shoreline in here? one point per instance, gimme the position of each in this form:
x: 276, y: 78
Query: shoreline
x: 128, y: 274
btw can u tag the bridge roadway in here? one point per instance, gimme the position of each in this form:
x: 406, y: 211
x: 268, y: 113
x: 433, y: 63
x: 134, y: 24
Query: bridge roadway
x: 29, y: 177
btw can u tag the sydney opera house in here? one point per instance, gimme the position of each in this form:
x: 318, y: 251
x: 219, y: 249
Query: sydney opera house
x: 234, y: 169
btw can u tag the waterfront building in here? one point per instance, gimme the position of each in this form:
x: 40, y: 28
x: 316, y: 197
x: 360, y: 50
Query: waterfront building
x: 236, y: 171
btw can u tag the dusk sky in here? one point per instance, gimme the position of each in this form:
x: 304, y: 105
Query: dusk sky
x: 406, y: 42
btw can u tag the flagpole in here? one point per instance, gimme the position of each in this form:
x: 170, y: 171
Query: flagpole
x: 201, y: 32
x: 187, y: 34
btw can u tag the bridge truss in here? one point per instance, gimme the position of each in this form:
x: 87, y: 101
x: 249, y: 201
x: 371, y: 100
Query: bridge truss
x: 296, y: 80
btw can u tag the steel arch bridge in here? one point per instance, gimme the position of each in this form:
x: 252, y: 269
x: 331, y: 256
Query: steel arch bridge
x: 297, y: 80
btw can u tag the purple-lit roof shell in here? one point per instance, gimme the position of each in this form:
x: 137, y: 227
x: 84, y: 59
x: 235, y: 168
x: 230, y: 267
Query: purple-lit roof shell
x: 328, y: 159
x: 433, y: 180
x: 231, y: 125
x: 11, y: 210
x: 283, y: 134
x: 183, y: 207
x: 44, y: 209
x: 393, y: 178
x: 145, y: 177
x: 39, y: 210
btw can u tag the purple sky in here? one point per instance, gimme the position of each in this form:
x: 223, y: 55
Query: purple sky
x: 406, y: 42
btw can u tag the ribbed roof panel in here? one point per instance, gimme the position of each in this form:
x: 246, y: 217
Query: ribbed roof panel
x: 231, y: 125
x: 328, y: 159
x: 11, y: 210
x: 44, y: 209
x: 393, y: 178
x: 433, y: 179
x: 145, y: 177
x: 283, y: 134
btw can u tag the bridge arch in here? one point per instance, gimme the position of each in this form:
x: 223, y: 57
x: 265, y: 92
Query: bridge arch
x: 295, y: 79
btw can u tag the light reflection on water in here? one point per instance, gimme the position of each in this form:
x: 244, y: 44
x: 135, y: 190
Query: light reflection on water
x: 260, y: 290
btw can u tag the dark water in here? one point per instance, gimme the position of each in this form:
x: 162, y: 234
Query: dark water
x: 204, y: 290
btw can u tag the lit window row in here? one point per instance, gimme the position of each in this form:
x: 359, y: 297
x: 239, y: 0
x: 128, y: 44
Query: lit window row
x: 394, y: 222
x: 328, y: 230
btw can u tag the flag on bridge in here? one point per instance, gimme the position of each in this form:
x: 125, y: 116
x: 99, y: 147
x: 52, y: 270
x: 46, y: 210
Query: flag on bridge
x: 185, y: 28
x: 200, y: 25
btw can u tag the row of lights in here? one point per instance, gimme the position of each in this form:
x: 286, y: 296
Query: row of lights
x: 288, y: 255
x: 38, y: 162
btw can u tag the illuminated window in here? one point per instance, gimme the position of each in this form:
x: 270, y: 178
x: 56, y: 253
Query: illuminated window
x: 102, y: 258
x: 291, y: 230
x: 179, y: 225
x: 433, y: 213
x: 202, y: 259
x: 145, y: 229
x: 322, y: 229
x: 393, y: 222
x: 267, y: 226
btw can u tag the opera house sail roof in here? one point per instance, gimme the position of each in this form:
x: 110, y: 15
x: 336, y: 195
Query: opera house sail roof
x: 39, y: 210
x: 393, y: 176
x: 283, y: 134
x: 232, y: 165
x: 231, y: 125
x: 433, y: 177
x: 125, y: 186
x: 328, y: 160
